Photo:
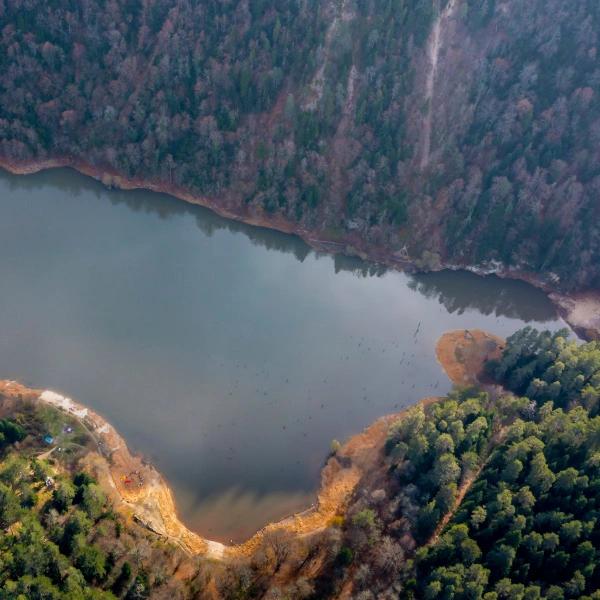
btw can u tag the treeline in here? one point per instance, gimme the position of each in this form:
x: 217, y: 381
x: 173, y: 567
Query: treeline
x: 61, y: 539
x: 485, y: 497
x: 547, y: 366
x: 316, y: 112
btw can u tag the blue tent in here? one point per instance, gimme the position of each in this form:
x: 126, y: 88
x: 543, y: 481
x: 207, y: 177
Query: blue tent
x: 48, y: 439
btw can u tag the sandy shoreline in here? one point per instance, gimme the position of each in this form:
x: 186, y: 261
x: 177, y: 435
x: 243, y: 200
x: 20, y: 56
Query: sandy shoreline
x: 580, y: 310
x: 139, y: 490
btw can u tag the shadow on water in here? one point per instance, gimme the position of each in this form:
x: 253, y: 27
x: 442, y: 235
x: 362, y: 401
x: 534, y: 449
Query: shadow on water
x: 460, y: 291
x: 165, y: 206
x: 457, y: 291
x: 232, y: 367
x: 158, y: 204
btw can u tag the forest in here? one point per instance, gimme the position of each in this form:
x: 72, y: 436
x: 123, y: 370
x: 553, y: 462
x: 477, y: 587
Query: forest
x: 60, y: 537
x: 320, y: 113
x: 487, y: 495
x: 459, y: 133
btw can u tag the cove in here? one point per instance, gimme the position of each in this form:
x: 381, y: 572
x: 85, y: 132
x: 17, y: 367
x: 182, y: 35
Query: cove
x: 230, y: 356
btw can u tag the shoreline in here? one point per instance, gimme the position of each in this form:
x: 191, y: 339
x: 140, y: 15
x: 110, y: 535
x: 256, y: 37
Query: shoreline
x: 135, y: 485
x: 581, y: 310
x: 138, y: 489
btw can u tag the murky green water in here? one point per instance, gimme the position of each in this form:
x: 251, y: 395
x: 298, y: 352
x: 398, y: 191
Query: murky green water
x: 230, y: 356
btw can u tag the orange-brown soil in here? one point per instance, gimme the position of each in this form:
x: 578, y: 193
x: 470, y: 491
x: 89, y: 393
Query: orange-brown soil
x: 463, y: 354
x: 139, y: 491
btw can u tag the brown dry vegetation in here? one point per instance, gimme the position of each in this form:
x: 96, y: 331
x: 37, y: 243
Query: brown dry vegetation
x: 463, y: 354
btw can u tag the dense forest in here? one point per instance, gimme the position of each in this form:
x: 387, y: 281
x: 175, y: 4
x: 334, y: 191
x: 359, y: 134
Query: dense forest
x: 484, y: 494
x: 462, y: 132
x: 487, y: 495
x: 60, y: 537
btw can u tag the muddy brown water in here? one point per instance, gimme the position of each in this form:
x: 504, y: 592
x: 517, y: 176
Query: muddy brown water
x: 229, y: 355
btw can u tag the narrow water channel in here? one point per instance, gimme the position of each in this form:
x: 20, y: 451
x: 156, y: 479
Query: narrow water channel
x: 230, y: 356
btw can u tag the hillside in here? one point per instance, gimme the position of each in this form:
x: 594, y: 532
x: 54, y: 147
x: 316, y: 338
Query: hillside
x: 432, y: 133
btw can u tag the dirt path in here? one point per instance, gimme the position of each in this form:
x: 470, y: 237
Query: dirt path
x: 435, y: 43
x: 466, y: 485
x: 342, y: 14
x: 462, y: 492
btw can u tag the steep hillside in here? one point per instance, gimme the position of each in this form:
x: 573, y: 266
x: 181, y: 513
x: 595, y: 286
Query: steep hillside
x: 459, y: 133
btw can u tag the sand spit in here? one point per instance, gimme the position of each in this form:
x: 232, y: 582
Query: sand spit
x: 463, y: 354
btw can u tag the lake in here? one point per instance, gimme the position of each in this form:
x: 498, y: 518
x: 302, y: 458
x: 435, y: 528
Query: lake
x: 230, y: 356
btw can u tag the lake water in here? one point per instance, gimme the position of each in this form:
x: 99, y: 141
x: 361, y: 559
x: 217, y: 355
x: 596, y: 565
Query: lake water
x: 230, y: 356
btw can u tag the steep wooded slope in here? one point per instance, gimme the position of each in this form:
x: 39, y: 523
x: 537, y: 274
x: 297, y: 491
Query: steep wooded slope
x: 463, y: 131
